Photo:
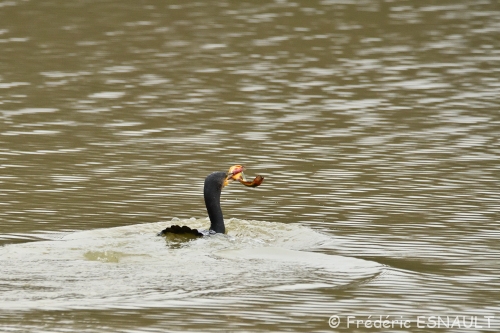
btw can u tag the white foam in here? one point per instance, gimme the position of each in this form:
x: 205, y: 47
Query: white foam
x: 132, y: 267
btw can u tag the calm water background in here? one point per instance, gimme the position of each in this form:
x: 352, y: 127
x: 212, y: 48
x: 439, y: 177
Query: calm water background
x: 374, y: 122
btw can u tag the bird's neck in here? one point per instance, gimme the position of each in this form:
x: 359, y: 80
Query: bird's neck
x: 212, y: 191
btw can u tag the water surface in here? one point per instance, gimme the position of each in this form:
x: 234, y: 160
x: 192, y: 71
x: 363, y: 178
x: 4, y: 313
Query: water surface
x: 375, y: 124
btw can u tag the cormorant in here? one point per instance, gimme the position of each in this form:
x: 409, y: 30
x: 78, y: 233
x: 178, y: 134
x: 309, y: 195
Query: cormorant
x: 211, y: 191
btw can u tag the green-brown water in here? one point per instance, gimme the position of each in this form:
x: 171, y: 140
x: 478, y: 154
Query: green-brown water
x: 375, y: 123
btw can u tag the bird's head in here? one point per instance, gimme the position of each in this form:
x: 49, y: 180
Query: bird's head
x: 234, y: 173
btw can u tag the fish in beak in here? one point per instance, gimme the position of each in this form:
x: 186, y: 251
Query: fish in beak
x: 236, y: 173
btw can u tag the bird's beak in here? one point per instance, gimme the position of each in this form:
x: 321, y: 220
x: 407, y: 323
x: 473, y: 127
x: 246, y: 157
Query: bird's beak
x: 235, y: 173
